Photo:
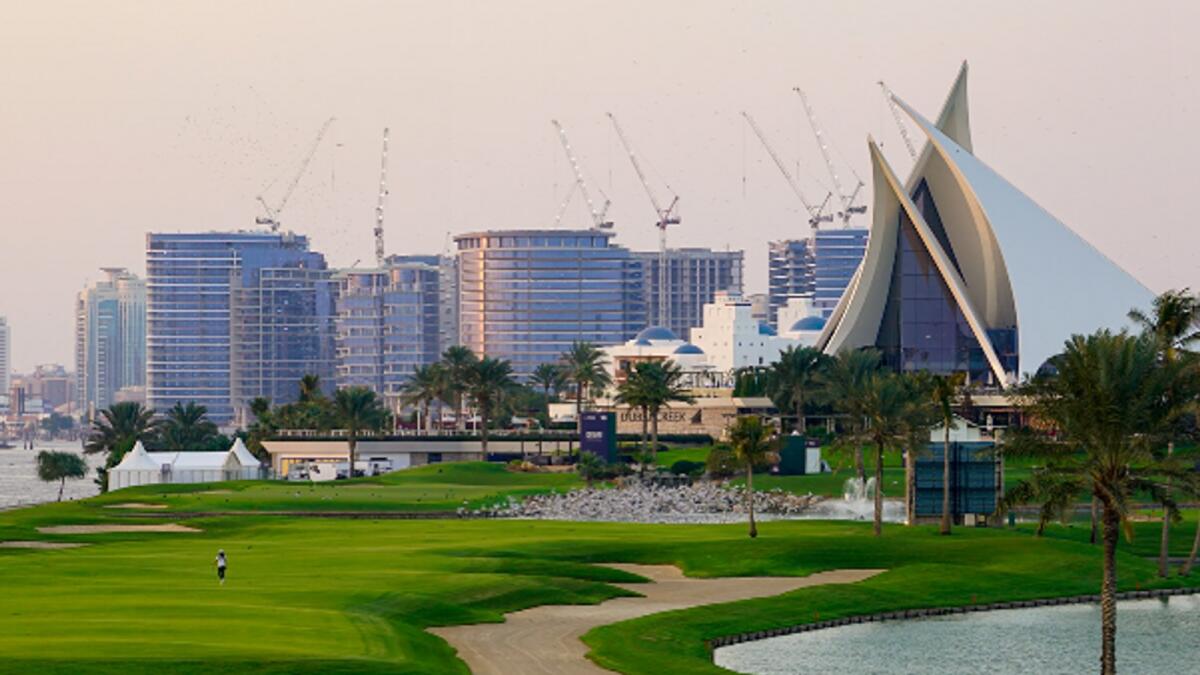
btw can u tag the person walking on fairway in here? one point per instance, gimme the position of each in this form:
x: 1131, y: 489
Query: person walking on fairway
x: 221, y: 563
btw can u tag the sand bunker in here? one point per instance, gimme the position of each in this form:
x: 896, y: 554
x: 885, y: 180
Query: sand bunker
x: 546, y: 639
x: 104, y: 529
x: 39, y: 544
x: 136, y: 505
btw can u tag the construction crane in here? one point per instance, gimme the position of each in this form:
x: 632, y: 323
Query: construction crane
x: 667, y: 216
x: 908, y: 142
x: 848, y: 206
x: 597, y: 216
x: 273, y: 214
x: 816, y: 214
x: 383, y: 192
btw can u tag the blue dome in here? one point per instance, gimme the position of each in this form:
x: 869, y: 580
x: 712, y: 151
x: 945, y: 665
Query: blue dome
x: 688, y: 348
x: 764, y: 329
x: 656, y: 333
x: 642, y: 342
x: 809, y: 323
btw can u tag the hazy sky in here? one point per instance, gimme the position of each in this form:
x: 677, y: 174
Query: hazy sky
x: 119, y: 118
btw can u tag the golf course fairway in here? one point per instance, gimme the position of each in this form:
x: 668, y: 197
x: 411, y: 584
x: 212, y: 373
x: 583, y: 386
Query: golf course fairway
x: 356, y: 595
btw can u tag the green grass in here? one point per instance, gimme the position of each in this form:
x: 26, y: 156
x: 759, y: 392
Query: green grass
x: 436, y: 487
x: 309, y: 595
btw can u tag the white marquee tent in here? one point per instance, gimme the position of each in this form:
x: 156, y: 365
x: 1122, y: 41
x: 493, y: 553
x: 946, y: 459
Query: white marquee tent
x: 140, y: 467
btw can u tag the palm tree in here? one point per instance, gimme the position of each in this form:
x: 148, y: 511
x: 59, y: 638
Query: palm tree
x: 423, y: 387
x: 457, y: 362
x: 944, y: 390
x: 794, y: 376
x: 583, y: 366
x: 752, y: 447
x: 1173, y: 324
x: 665, y: 386
x: 486, y: 383
x: 845, y: 386
x: 634, y: 392
x: 549, y: 377
x: 310, y: 389
x: 1103, y: 411
x: 187, y: 427
x: 358, y: 409
x: 589, y: 466
x: 115, y: 432
x: 263, y: 426
x: 920, y: 419
x: 885, y: 404
x: 59, y: 466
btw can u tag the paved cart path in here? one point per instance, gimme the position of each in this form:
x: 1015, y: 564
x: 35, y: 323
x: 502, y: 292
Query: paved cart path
x: 546, y: 640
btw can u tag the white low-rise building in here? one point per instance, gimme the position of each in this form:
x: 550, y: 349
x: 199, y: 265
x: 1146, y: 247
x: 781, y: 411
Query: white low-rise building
x: 140, y: 467
x: 800, y: 320
x: 731, y: 338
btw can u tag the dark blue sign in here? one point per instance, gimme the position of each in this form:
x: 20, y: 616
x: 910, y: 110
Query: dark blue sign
x: 598, y: 434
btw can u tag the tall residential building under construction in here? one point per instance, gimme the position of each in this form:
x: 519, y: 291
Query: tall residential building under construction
x: 693, y: 278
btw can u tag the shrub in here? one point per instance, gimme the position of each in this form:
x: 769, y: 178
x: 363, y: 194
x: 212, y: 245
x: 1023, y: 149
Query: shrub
x: 687, y: 468
x: 721, y: 462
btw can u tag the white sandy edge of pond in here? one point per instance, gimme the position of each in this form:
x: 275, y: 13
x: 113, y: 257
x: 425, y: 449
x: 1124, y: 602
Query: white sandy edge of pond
x: 40, y: 544
x: 104, y: 529
x: 546, y: 639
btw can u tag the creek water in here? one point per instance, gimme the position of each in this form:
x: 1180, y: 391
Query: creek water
x: 19, y: 483
x: 1154, y: 637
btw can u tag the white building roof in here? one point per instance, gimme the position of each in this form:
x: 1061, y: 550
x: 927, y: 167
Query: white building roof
x: 138, y: 459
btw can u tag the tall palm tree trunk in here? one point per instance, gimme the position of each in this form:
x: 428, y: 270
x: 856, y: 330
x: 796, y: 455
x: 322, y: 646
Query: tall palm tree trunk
x: 1164, y: 566
x: 910, y: 486
x: 1187, y: 565
x: 483, y: 429
x: 878, y: 528
x: 1095, y: 520
x: 645, y: 432
x: 579, y: 407
x: 654, y: 439
x: 801, y: 423
x: 860, y: 469
x: 945, y: 529
x: 1108, y: 596
x: 750, y: 498
x: 61, y: 486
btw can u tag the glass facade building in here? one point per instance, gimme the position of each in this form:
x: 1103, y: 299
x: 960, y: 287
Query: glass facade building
x: 836, y: 255
x: 695, y: 276
x: 110, y: 339
x: 923, y: 327
x: 387, y: 325
x: 790, y: 274
x: 819, y: 267
x: 232, y: 316
x: 526, y: 295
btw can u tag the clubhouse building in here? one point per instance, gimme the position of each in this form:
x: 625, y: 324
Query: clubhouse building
x: 965, y: 273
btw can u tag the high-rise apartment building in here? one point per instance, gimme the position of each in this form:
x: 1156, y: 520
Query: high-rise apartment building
x: 387, y: 325
x: 790, y: 273
x: 235, y: 315
x: 819, y: 267
x: 5, y: 360
x: 110, y: 339
x: 526, y: 295
x: 447, y: 302
x: 694, y: 277
x: 837, y: 253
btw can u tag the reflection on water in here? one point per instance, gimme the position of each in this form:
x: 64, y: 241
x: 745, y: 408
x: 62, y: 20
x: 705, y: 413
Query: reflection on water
x: 1153, y: 637
x: 19, y: 483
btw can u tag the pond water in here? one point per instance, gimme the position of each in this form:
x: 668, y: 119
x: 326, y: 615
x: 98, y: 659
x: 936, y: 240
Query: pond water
x: 1154, y: 637
x: 19, y: 484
